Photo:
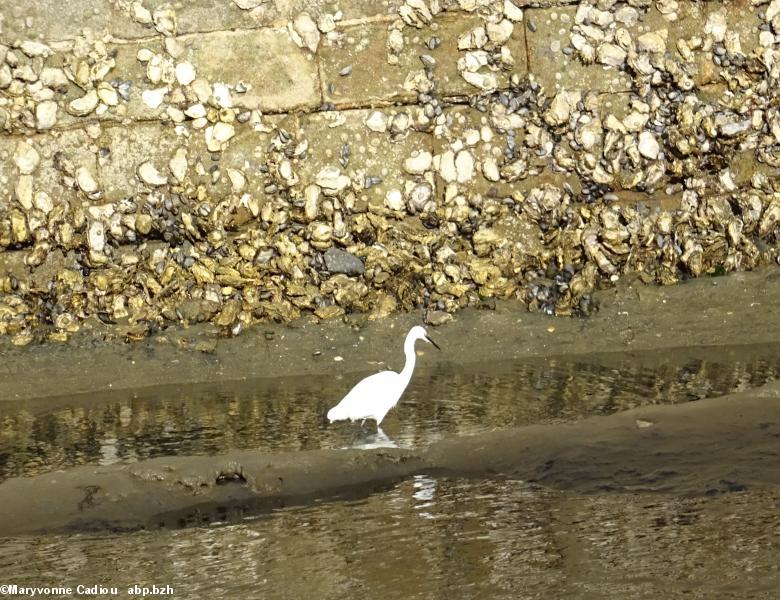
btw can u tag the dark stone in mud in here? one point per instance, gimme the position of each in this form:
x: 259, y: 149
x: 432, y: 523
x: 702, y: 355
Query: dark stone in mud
x: 339, y: 261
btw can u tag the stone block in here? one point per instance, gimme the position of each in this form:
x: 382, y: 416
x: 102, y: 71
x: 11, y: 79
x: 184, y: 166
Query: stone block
x: 691, y: 20
x: 373, y: 80
x: 52, y: 20
x: 246, y: 153
x: 127, y: 69
x: 658, y: 200
x: 12, y: 263
x: 461, y: 124
x: 206, y: 16
x: 198, y: 16
x: 525, y: 4
x: 282, y: 76
x: 449, y: 29
x: 548, y: 33
x: 8, y: 171
x: 73, y: 146
x: 124, y: 148
x: 744, y: 165
x: 354, y: 10
x: 372, y: 154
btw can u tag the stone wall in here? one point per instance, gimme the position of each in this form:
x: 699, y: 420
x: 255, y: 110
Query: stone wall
x: 237, y: 161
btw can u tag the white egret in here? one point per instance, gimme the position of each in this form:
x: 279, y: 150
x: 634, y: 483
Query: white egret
x: 375, y: 395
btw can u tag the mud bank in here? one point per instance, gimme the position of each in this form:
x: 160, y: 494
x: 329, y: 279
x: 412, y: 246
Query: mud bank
x: 723, y: 444
x: 178, y: 491
x: 726, y: 444
x: 737, y: 309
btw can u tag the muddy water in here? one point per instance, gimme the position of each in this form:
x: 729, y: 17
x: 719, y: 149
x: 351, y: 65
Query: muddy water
x: 425, y: 537
x: 288, y: 413
x: 429, y: 538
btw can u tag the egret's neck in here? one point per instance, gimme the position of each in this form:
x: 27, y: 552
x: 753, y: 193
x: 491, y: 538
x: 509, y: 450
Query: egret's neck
x: 406, y: 374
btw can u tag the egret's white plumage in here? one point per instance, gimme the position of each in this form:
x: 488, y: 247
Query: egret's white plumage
x: 375, y: 395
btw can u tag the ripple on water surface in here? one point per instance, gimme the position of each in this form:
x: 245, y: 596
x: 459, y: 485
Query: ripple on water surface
x: 441, y: 538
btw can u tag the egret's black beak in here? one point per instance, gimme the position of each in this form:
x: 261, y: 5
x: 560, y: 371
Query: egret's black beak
x: 432, y: 342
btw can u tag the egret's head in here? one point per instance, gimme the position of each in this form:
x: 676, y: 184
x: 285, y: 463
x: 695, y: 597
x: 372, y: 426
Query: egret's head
x: 418, y: 333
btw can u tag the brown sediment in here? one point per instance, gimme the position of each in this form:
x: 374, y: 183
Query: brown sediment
x: 715, y: 446
x: 709, y: 447
x: 735, y: 310
x: 193, y: 490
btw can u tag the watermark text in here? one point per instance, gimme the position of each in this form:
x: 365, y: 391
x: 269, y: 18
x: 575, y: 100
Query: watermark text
x: 95, y: 590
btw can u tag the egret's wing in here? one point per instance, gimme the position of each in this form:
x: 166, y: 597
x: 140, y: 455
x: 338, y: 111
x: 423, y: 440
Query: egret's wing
x: 362, y: 400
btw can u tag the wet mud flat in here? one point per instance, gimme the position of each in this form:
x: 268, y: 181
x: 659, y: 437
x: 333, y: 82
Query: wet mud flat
x: 708, y: 448
x: 632, y: 454
x: 711, y: 447
x: 741, y: 308
x: 705, y: 448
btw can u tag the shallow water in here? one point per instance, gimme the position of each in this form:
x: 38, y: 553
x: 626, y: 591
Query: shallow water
x: 425, y: 537
x: 440, y: 538
x: 288, y: 413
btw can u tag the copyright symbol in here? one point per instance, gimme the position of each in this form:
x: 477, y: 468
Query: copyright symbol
x: 5, y: 589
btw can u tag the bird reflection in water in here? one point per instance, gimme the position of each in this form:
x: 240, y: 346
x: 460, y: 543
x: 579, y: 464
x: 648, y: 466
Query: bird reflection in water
x: 365, y: 440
